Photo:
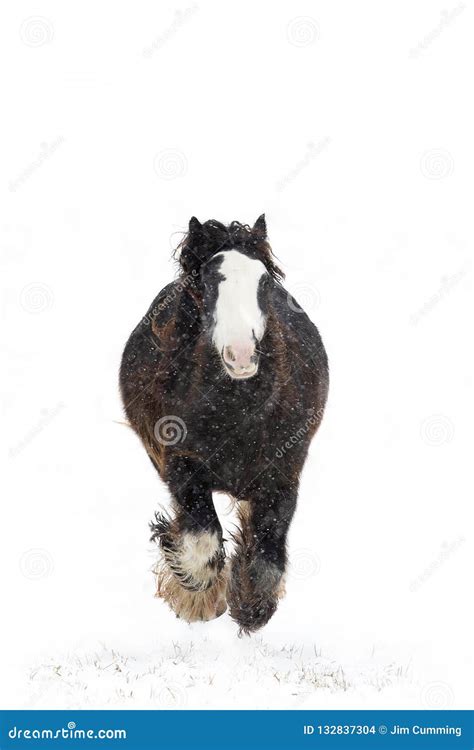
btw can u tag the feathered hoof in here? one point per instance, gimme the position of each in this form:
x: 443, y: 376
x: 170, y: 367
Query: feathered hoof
x: 254, y: 589
x: 192, y: 606
x: 250, y: 617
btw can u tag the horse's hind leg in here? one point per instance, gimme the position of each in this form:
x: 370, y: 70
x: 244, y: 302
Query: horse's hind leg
x: 257, y: 571
x: 191, y: 574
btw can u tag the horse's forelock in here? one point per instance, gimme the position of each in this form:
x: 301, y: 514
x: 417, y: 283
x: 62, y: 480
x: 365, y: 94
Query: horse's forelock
x: 205, y: 240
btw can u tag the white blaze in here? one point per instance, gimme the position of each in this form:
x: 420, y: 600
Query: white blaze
x: 237, y: 314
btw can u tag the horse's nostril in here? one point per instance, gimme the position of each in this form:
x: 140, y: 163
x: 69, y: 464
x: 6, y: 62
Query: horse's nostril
x: 229, y: 355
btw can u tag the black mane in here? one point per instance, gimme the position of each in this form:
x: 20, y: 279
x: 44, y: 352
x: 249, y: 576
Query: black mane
x: 203, y: 241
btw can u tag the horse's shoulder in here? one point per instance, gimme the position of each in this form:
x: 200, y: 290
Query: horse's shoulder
x: 163, y: 306
x: 156, y: 320
x: 289, y: 311
x: 297, y: 327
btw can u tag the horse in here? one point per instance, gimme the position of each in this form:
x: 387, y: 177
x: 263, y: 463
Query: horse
x: 225, y: 381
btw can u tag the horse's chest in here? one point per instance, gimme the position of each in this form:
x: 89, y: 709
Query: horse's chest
x: 228, y: 431
x: 229, y: 422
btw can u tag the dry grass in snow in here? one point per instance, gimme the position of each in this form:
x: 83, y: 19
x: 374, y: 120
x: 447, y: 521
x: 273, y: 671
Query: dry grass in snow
x: 201, y: 675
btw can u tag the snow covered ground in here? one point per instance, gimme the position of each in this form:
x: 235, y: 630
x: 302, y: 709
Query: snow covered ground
x: 359, y: 149
x: 200, y: 674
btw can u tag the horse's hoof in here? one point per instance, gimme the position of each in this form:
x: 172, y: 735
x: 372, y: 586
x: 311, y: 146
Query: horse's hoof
x: 252, y: 617
x: 220, y: 610
x: 192, y: 606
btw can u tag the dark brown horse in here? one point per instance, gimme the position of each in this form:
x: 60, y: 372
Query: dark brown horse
x: 225, y: 381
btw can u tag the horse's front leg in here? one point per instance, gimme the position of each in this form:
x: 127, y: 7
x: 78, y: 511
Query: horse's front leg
x: 190, y: 574
x: 258, y: 567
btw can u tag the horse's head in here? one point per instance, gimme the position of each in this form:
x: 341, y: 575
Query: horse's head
x: 234, y: 270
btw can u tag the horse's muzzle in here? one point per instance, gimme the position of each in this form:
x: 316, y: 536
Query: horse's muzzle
x: 240, y: 361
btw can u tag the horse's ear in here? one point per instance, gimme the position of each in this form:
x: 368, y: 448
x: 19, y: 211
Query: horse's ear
x: 190, y: 255
x: 259, y: 229
x: 194, y: 224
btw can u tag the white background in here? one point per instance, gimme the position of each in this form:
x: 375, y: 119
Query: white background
x: 350, y: 125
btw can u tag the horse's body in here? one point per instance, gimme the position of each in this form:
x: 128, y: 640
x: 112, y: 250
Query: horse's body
x: 230, y: 406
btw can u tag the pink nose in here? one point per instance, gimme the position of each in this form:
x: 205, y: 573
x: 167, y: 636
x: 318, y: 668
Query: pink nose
x: 240, y: 357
